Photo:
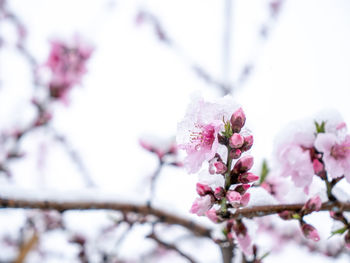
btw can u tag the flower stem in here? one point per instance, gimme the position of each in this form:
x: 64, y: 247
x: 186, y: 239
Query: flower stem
x: 228, y: 164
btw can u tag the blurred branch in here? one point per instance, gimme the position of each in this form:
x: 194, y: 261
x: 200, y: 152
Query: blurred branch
x: 161, y: 215
x: 26, y: 248
x: 170, y: 247
x: 227, y: 252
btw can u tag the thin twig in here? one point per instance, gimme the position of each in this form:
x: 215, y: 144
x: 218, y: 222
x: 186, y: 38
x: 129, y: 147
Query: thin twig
x: 170, y: 247
x: 75, y: 157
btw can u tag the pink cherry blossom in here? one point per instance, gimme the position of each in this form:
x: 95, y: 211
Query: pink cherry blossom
x: 201, y: 205
x: 67, y: 63
x: 336, y: 154
x: 296, y: 162
x: 198, y: 132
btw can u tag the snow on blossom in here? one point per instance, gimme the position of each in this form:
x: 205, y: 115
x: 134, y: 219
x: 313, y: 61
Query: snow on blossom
x: 198, y: 132
x: 295, y: 146
x: 336, y: 154
x: 201, y: 205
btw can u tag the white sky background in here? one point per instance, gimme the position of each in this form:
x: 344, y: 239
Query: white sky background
x: 137, y: 85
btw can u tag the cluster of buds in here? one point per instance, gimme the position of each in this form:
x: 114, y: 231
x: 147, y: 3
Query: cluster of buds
x: 237, y: 177
x: 313, y: 204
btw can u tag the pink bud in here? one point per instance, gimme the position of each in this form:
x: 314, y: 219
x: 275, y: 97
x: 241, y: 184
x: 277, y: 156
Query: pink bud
x: 336, y: 215
x: 245, y: 199
x: 248, y: 143
x: 236, y: 140
x: 242, y: 188
x: 310, y: 232
x: 217, y: 166
x: 203, y: 189
x: 219, y: 193
x: 244, y: 164
x: 318, y: 166
x: 233, y: 196
x: 238, y: 120
x: 247, y: 178
x: 235, y: 153
x: 313, y: 204
x: 211, y: 214
x: 286, y: 215
x: 347, y: 239
x: 220, y: 167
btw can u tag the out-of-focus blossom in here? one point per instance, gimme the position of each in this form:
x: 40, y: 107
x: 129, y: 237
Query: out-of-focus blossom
x: 67, y: 63
x: 310, y: 232
x: 336, y: 154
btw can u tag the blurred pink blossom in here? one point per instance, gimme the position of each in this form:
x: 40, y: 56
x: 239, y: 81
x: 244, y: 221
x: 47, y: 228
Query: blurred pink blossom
x: 336, y: 154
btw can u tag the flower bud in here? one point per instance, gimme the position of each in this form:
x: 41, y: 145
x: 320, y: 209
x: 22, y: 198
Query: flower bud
x: 238, y: 120
x: 236, y: 141
x: 233, y: 196
x: 203, y: 189
x: 310, y: 232
x: 313, y: 204
x: 336, y: 215
x: 286, y: 215
x: 235, y: 153
x: 347, y: 239
x: 247, y: 178
x: 217, y: 166
x: 219, y: 193
x: 243, y: 165
x: 248, y: 143
x: 242, y: 188
x: 318, y: 166
x: 245, y: 199
x: 222, y: 139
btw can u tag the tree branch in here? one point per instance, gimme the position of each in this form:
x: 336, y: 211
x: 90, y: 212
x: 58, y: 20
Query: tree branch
x: 162, y: 216
x: 260, y: 211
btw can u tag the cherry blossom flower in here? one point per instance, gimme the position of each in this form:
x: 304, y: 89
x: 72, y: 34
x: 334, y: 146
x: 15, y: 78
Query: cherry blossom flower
x: 336, y: 154
x: 198, y: 132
